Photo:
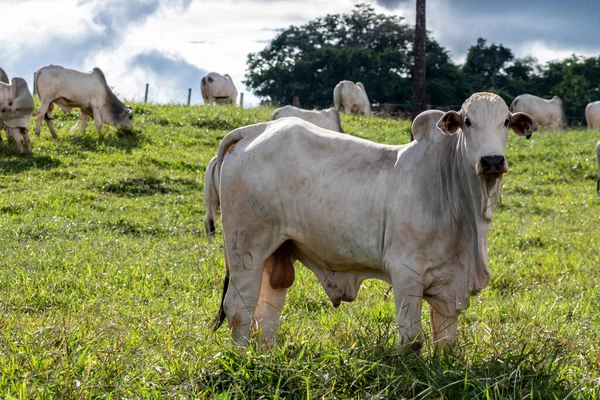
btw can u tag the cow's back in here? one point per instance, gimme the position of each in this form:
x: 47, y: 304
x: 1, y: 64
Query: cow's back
x: 54, y: 82
x: 592, y: 115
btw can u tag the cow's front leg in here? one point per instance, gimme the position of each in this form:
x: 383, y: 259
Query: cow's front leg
x: 408, y: 296
x: 443, y: 329
x: 97, y: 120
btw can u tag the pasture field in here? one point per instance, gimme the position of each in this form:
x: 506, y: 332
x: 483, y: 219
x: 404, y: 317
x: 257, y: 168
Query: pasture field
x: 108, y: 284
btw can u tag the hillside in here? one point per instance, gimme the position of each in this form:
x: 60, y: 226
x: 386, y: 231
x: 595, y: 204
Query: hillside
x: 108, y: 284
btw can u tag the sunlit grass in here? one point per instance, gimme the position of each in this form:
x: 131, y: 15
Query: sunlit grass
x: 108, y: 285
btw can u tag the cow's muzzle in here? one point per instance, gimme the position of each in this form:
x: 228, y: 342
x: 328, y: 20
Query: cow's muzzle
x: 491, y: 167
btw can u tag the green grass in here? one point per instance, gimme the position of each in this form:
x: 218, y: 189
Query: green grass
x: 108, y: 285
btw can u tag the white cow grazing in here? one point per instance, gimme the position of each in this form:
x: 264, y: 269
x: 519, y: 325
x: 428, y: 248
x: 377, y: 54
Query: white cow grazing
x: 545, y: 112
x: 598, y: 165
x: 217, y: 88
x: 592, y: 116
x: 416, y: 216
x: 211, y: 197
x: 16, y: 108
x: 70, y: 89
x: 326, y: 119
x: 352, y: 98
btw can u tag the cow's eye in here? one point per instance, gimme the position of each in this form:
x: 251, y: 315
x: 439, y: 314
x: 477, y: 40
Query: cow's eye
x: 467, y: 122
x: 506, y: 122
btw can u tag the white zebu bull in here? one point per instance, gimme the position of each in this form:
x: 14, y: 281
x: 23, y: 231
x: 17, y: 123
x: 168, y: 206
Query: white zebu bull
x: 416, y: 216
x: 326, y: 119
x: 545, y: 112
x: 352, y: 98
x: 211, y: 197
x: 592, y: 116
x: 217, y: 88
x: 70, y: 89
x: 16, y: 108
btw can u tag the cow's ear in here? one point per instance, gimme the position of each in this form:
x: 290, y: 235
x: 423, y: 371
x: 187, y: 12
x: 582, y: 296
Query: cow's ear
x: 450, y: 122
x: 523, y: 124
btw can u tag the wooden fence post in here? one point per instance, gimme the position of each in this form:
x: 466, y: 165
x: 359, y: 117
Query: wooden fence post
x: 189, y: 96
x: 296, y: 101
x: 242, y: 99
x: 146, y: 94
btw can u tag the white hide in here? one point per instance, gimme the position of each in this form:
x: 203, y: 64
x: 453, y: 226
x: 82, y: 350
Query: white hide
x: 90, y: 92
x: 217, y: 88
x: 416, y: 215
x: 352, y: 98
x: 545, y: 112
x: 326, y: 119
x: 16, y: 108
x: 592, y: 116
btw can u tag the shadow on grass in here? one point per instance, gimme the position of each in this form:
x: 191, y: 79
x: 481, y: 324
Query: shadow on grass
x: 12, y: 162
x: 119, y: 140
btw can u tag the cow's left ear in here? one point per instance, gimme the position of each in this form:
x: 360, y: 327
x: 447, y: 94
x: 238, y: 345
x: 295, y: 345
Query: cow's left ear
x: 523, y: 124
x: 450, y: 122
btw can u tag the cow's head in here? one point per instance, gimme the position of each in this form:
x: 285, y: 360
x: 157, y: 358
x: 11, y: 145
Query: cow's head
x: 125, y: 120
x: 484, y: 120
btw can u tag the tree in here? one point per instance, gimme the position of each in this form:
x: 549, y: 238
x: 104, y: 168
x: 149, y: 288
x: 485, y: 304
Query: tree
x: 420, y: 62
x: 309, y: 60
x: 486, y: 64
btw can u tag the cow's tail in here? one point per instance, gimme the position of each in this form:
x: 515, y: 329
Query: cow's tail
x: 211, y: 197
x: 228, y: 141
x: 36, y: 90
x: 338, y: 120
x: 337, y: 97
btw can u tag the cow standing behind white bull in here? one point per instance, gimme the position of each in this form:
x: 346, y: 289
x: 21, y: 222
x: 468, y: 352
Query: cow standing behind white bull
x: 16, y: 108
x: 217, y: 88
x: 326, y: 119
x: 352, y: 98
x: 90, y: 92
x: 416, y: 216
x: 592, y: 116
x: 545, y: 112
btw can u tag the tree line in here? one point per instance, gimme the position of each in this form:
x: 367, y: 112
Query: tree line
x: 377, y: 49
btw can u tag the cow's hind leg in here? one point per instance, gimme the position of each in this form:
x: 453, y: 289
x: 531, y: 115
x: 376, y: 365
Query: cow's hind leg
x: 41, y: 116
x: 278, y: 276
x: 49, y: 121
x: 247, y: 253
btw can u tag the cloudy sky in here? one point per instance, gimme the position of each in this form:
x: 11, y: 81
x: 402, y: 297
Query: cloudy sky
x: 171, y: 44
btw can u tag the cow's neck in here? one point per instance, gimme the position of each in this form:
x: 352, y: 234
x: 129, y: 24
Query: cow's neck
x: 471, y: 200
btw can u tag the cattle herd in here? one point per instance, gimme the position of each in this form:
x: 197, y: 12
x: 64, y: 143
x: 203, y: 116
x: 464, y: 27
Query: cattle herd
x: 297, y: 188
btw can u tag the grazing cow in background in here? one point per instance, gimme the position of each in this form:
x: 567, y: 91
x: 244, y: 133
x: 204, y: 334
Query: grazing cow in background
x: 211, y: 197
x: 3, y: 79
x: 416, y: 216
x: 545, y: 112
x: 70, y: 89
x: 3, y: 76
x: 352, y: 98
x: 326, y: 119
x: 16, y: 108
x: 592, y: 116
x: 217, y: 88
x: 598, y: 166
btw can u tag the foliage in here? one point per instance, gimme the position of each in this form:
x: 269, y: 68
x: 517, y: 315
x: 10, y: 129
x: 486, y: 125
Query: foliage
x: 108, y: 285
